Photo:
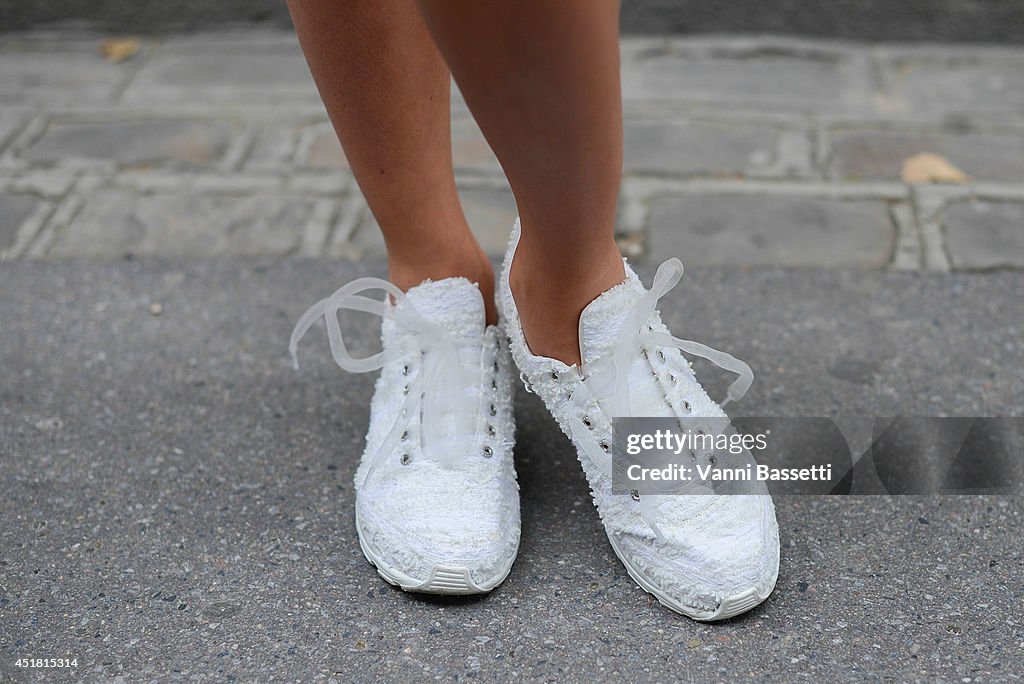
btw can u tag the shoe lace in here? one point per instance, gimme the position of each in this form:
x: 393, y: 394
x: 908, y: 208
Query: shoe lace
x: 445, y: 375
x: 637, y: 334
x: 606, y: 382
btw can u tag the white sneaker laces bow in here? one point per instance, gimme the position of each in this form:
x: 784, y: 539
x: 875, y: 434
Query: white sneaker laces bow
x: 607, y: 379
x: 450, y: 379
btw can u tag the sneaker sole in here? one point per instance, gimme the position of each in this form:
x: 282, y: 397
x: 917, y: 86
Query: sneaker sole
x: 444, y: 579
x: 728, y: 607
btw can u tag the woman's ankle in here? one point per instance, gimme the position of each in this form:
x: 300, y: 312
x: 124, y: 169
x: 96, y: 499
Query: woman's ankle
x: 551, y: 292
x: 470, y: 264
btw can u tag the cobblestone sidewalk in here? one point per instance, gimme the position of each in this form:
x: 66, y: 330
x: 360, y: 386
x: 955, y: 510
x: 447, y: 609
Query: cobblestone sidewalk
x: 762, y: 151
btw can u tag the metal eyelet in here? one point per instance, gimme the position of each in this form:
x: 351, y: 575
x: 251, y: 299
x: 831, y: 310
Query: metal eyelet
x: 496, y: 369
x: 686, y: 405
x: 488, y: 451
x: 554, y: 375
x: 672, y: 378
x: 405, y: 369
x: 493, y: 410
x: 650, y: 328
x: 634, y: 494
x: 661, y: 355
x: 604, y: 446
x: 587, y: 422
x: 405, y: 435
x: 406, y: 459
x: 491, y: 432
x: 494, y: 384
x: 405, y: 390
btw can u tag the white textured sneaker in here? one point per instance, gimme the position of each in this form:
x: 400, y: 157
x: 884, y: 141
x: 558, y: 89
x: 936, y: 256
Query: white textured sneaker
x: 437, y: 503
x: 707, y: 556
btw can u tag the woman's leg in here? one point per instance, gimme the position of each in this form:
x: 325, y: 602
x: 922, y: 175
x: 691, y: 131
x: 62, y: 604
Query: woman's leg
x: 387, y: 91
x: 542, y: 79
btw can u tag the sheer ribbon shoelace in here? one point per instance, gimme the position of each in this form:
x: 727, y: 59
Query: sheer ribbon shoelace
x: 606, y: 382
x: 447, y: 374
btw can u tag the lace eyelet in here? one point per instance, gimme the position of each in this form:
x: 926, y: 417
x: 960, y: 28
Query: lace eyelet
x: 661, y: 355
x: 491, y: 432
x: 650, y: 328
x: 604, y: 446
x: 405, y: 390
x: 496, y: 368
x: 405, y: 435
x: 494, y: 384
x: 493, y: 410
x: 643, y: 353
x: 712, y: 460
x: 406, y: 459
x: 587, y: 422
x: 687, y: 406
x: 488, y: 451
x: 405, y: 369
x: 672, y: 378
x: 634, y: 494
x: 554, y: 375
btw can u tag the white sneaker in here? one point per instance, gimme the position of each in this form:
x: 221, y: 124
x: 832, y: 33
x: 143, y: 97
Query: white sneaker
x: 707, y: 556
x: 437, y: 503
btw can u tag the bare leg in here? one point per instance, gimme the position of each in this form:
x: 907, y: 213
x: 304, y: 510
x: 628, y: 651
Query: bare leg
x: 387, y: 91
x: 542, y: 79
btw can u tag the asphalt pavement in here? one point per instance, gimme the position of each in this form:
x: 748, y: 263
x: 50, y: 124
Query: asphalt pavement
x: 177, y: 501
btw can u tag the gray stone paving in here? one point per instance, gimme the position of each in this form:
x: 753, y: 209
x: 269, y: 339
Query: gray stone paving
x: 808, y: 135
x: 878, y: 154
x: 781, y: 230
x: 132, y: 143
x: 986, y: 234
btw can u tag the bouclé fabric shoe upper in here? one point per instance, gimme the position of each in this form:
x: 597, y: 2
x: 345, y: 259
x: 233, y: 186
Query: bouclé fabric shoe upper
x: 437, y: 504
x: 707, y: 556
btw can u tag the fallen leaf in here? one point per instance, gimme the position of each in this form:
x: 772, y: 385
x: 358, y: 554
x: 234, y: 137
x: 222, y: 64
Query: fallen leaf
x: 118, y: 49
x: 930, y: 168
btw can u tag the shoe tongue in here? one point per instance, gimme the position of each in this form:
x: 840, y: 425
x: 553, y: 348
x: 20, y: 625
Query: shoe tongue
x: 601, y: 321
x: 455, y: 304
